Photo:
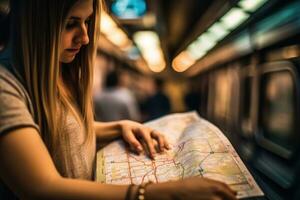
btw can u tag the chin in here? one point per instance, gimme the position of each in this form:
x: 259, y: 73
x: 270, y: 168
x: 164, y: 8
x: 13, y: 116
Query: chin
x: 67, y: 60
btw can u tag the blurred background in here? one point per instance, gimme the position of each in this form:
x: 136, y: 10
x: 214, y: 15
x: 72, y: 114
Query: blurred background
x: 235, y: 62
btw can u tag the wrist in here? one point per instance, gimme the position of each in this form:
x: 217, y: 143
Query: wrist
x: 131, y: 192
x: 119, y: 127
x: 160, y: 191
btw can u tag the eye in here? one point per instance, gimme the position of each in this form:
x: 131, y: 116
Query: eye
x: 87, y: 22
x: 71, y: 24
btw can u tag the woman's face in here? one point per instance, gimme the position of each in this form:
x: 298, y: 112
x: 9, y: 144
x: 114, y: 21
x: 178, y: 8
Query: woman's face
x: 75, y: 32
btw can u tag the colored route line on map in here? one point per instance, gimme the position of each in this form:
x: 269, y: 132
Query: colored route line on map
x: 209, y: 153
x: 152, y: 164
x: 200, y: 149
x: 155, y: 164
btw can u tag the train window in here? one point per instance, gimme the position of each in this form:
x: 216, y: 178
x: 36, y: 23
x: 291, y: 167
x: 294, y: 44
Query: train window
x: 246, y: 124
x: 277, y: 116
x: 203, y: 96
x: 222, y: 95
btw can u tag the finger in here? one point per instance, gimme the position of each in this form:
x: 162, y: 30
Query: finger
x: 167, y: 145
x: 225, y: 186
x: 165, y: 142
x: 230, y: 189
x: 149, y: 142
x: 130, y: 138
x: 226, y: 193
x: 156, y: 145
x: 160, y: 139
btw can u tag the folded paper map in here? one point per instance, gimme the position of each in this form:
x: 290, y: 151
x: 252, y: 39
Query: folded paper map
x: 198, y: 148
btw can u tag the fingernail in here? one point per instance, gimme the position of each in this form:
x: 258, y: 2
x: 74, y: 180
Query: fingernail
x: 140, y: 148
x: 152, y: 154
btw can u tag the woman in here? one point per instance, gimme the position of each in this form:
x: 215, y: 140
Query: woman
x: 47, y: 132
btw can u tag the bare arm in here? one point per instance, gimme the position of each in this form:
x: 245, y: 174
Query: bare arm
x: 28, y: 170
x: 107, y: 131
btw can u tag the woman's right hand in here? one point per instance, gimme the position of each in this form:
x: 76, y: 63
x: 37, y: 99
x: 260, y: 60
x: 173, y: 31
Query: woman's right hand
x: 194, y: 188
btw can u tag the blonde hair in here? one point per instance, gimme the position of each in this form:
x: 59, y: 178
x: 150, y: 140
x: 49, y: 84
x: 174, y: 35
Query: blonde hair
x: 36, y: 32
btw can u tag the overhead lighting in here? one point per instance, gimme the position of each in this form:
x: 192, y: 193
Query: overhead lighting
x: 149, y: 45
x: 119, y: 38
x: 208, y: 40
x: 251, y: 5
x: 200, y: 46
x: 233, y: 18
x: 218, y: 30
x: 113, y: 33
x: 195, y: 51
x: 107, y: 23
x: 183, y: 61
x: 146, y: 39
x: 215, y: 33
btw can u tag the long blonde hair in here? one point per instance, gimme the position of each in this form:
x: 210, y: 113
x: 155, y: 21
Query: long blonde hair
x: 36, y: 31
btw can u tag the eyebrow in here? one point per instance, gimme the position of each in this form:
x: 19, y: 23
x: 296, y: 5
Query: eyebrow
x: 79, y: 18
x: 75, y: 18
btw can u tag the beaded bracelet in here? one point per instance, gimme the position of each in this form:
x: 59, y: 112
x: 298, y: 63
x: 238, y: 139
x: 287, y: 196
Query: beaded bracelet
x: 141, y: 190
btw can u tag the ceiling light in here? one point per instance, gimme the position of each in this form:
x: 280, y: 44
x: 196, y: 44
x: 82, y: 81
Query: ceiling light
x: 107, y: 24
x: 251, y: 5
x: 234, y: 18
x: 183, y: 61
x: 149, y: 45
x: 218, y: 30
x: 195, y: 51
x: 146, y: 39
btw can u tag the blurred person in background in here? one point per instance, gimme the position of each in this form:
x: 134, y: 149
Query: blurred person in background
x: 158, y: 103
x: 47, y: 129
x: 116, y: 101
x: 193, y: 97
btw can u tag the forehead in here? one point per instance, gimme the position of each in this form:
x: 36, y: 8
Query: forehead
x: 82, y: 9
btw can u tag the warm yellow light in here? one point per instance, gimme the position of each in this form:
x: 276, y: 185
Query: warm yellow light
x: 153, y: 56
x: 155, y: 60
x: 113, y: 33
x: 146, y: 39
x: 107, y: 24
x: 157, y: 68
x: 219, y: 30
x: 183, y: 61
x: 149, y: 45
x: 119, y: 38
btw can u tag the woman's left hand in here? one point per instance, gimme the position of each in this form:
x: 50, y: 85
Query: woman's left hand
x: 135, y: 134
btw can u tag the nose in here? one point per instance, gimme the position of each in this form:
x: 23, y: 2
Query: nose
x: 83, y: 37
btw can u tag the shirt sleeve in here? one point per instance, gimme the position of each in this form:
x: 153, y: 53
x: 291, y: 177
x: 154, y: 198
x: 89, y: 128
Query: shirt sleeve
x: 14, y: 110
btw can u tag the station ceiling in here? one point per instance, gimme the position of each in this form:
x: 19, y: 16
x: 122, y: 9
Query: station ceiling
x: 177, y: 22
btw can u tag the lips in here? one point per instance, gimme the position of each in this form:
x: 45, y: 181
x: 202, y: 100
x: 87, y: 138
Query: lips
x: 73, y: 50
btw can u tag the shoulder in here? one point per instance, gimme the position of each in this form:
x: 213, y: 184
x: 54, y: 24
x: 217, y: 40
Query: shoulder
x: 15, y: 105
x: 11, y: 89
x: 8, y: 82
